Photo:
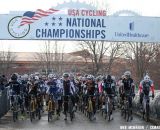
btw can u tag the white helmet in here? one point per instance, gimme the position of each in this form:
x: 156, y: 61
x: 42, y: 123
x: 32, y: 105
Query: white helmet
x: 25, y: 77
x: 113, y: 77
x: 90, y: 77
x: 36, y: 77
x: 50, y: 76
x: 37, y: 73
x: 127, y: 73
x: 146, y: 78
x: 54, y: 76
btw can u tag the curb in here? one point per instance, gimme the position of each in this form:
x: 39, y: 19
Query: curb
x: 152, y: 120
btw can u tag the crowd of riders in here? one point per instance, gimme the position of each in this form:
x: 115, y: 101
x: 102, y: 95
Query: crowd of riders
x: 59, y: 87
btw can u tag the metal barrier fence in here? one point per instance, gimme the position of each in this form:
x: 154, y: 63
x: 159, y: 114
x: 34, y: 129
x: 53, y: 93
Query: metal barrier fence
x: 154, y: 105
x: 4, y: 102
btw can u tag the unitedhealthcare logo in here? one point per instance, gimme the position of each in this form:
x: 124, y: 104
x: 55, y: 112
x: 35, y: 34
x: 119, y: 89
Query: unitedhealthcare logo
x: 131, y: 26
x: 130, y: 33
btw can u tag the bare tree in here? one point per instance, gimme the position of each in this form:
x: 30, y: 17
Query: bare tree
x: 97, y: 52
x: 114, y: 52
x: 154, y: 70
x: 50, y: 57
x: 140, y: 55
x: 6, y: 61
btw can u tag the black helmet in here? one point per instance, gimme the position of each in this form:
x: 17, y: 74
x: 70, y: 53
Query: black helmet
x: 109, y: 77
x: 65, y: 75
x: 14, y: 77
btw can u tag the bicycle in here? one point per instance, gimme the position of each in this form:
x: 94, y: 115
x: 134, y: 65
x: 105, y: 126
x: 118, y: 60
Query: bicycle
x: 108, y: 106
x: 146, y: 107
x: 39, y: 106
x: 22, y: 105
x: 15, y: 107
x: 84, y: 104
x: 80, y: 104
x: 70, y: 107
x: 34, y: 109
x: 90, y: 109
x: 50, y: 109
x: 126, y: 108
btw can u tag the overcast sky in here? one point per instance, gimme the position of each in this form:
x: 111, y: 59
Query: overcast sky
x: 143, y: 7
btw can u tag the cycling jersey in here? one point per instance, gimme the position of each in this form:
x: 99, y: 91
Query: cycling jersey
x: 146, y: 86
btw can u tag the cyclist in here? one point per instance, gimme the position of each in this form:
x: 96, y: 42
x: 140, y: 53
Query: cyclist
x: 2, y: 82
x: 99, y: 90
x: 34, y: 86
x: 144, y: 88
x: 68, y: 89
x: 128, y: 88
x: 74, y: 84
x: 108, y: 85
x: 15, y: 88
x: 119, y: 89
x: 91, y: 89
x: 53, y: 89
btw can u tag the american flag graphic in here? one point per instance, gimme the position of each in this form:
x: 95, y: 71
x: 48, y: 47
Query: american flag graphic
x: 30, y: 17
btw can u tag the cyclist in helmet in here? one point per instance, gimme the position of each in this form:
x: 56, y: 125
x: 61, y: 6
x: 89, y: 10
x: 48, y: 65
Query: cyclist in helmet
x: 15, y: 88
x: 14, y: 84
x: 91, y: 89
x: 128, y: 89
x: 128, y: 84
x: 108, y: 85
x: 68, y: 89
x: 53, y: 89
x: 146, y: 85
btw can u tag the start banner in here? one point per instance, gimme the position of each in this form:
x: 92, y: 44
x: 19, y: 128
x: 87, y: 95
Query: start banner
x: 78, y: 24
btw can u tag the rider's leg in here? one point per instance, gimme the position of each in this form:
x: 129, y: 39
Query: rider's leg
x: 65, y: 107
x: 130, y: 106
x: 141, y: 100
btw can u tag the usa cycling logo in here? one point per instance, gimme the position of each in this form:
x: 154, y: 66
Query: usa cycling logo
x: 19, y: 26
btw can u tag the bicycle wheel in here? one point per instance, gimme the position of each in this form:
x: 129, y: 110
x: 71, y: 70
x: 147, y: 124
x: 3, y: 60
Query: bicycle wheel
x: 31, y: 116
x: 109, y: 111
x: 102, y: 113
x: 90, y: 116
x: 49, y: 116
x: 127, y: 115
x: 39, y: 114
x: 147, y: 112
x: 122, y: 112
x: 14, y: 116
x: 71, y: 116
x: 109, y: 116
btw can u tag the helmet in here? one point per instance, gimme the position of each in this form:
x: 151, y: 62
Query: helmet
x: 14, y: 77
x: 127, y: 73
x: 54, y: 76
x: 50, y: 76
x: 25, y: 77
x: 65, y: 75
x: 43, y: 76
x: 109, y: 77
x: 80, y: 78
x: 113, y: 77
x: 37, y: 73
x: 71, y: 75
x: 146, y: 78
x: 90, y: 77
x: 83, y: 78
x: 36, y: 77
x: 78, y: 74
